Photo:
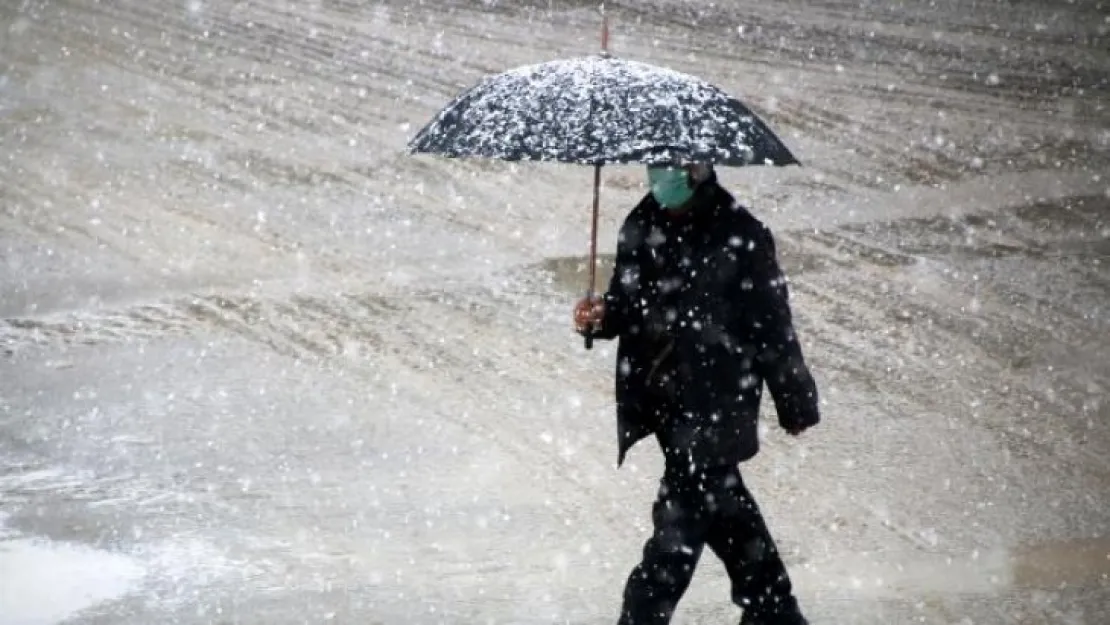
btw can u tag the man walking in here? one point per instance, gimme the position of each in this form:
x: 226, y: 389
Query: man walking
x: 700, y: 308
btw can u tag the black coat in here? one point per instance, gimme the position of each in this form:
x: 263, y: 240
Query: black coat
x: 700, y: 308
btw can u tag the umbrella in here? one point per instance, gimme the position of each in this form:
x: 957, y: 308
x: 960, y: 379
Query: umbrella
x: 599, y: 110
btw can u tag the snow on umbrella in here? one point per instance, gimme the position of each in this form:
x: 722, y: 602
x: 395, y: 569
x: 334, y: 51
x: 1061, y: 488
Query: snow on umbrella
x: 598, y: 110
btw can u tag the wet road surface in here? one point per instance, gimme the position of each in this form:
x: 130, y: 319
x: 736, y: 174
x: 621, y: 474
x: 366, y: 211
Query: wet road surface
x: 257, y: 365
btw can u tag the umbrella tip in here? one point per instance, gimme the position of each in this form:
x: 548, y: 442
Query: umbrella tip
x: 604, y: 31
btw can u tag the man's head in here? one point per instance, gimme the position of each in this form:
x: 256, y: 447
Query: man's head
x: 673, y: 186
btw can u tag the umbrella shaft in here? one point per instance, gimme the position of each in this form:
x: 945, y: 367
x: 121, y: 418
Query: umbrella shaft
x: 597, y: 168
x: 597, y: 190
x: 593, y: 229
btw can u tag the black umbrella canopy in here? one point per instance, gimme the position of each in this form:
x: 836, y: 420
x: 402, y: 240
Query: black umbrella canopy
x: 598, y: 110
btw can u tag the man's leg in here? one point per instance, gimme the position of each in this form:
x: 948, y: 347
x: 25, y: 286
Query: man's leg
x: 739, y: 536
x: 658, y: 582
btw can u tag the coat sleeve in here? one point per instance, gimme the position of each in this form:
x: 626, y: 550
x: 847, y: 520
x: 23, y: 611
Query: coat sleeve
x: 780, y: 361
x: 624, y: 286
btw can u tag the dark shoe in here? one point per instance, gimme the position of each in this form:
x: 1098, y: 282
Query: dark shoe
x: 787, y: 613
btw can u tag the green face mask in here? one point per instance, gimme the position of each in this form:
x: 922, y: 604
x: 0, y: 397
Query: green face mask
x: 670, y: 186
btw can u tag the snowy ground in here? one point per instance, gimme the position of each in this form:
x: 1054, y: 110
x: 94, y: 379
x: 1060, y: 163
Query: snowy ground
x: 257, y: 365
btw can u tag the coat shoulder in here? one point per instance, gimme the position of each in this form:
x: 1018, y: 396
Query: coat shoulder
x: 637, y: 223
x: 739, y: 221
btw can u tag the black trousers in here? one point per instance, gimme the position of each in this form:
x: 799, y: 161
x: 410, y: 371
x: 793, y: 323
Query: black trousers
x: 709, y: 507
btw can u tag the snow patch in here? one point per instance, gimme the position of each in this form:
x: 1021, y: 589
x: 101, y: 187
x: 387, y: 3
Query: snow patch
x: 47, y: 582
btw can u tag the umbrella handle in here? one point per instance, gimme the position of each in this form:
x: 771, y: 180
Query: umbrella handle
x: 589, y: 333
